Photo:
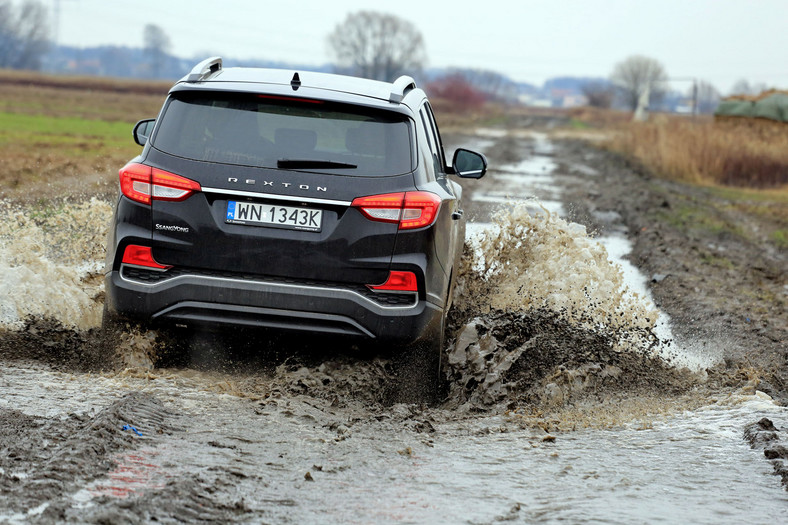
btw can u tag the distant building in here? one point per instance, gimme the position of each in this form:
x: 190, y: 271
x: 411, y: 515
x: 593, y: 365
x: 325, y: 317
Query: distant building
x: 535, y: 101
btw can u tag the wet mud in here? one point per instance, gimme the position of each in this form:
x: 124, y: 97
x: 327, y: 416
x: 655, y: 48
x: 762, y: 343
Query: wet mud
x: 711, y: 268
x: 544, y: 337
x: 773, y: 441
x: 48, y: 341
x: 539, y: 359
x: 45, y: 459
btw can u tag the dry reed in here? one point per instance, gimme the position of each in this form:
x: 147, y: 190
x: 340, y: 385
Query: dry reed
x: 741, y: 152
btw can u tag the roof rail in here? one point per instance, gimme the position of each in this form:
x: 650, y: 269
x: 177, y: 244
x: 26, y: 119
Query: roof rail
x: 401, y: 86
x: 204, y: 69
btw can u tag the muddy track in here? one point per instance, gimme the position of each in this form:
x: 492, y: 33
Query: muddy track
x: 268, y: 428
x: 713, y: 272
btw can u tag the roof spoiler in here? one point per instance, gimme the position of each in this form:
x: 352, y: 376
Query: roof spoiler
x: 400, y: 87
x: 205, y: 69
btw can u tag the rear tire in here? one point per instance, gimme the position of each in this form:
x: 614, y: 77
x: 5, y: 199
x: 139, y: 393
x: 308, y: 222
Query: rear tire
x: 126, y: 344
x: 419, y: 368
x: 206, y: 350
x: 112, y: 329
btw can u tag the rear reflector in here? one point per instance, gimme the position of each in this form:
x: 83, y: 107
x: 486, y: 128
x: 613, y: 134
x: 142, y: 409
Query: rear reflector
x: 412, y: 209
x: 142, y: 183
x: 142, y: 256
x: 398, y: 282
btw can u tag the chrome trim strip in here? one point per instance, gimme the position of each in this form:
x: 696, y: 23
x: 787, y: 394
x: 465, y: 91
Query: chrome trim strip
x: 291, y: 198
x: 268, y: 284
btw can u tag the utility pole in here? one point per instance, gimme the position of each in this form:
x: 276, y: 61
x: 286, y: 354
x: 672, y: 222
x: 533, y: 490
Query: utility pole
x: 694, y: 97
x: 694, y: 92
x: 56, y: 23
x: 56, y: 31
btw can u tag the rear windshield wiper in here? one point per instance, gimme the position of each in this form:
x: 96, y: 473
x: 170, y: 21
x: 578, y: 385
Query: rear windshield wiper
x: 294, y: 164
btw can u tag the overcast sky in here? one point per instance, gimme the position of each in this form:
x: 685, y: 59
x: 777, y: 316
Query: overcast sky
x: 716, y: 40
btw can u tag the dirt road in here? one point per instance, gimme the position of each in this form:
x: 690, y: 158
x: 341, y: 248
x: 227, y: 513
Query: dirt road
x: 564, y: 399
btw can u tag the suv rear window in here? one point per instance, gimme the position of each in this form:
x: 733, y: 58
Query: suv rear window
x: 283, y: 132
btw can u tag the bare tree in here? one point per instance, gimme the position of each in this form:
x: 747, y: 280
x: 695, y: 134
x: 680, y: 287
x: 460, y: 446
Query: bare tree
x: 377, y: 45
x: 759, y: 88
x: 741, y: 87
x: 598, y: 94
x: 634, y: 75
x: 156, y: 47
x: 24, y: 34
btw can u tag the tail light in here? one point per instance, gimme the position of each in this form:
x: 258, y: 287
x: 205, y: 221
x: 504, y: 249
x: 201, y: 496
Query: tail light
x: 141, y: 256
x: 411, y: 210
x: 398, y: 282
x: 143, y: 184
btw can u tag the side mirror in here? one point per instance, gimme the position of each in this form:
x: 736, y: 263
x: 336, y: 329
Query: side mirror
x: 142, y: 130
x: 469, y: 164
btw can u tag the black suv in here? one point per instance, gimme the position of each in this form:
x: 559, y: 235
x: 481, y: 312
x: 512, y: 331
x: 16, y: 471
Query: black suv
x: 294, y: 201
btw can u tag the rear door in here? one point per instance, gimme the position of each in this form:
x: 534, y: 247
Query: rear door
x: 450, y: 228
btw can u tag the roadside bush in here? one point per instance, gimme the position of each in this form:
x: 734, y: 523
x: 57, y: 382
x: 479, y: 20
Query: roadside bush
x: 457, y: 91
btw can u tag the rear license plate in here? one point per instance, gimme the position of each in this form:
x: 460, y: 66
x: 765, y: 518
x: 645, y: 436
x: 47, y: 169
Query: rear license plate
x: 256, y: 214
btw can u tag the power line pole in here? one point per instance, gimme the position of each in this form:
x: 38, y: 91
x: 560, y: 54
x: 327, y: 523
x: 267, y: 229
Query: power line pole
x: 56, y: 17
x: 694, y: 91
x: 56, y: 31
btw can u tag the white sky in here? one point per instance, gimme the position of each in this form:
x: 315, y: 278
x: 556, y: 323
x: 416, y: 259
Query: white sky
x: 720, y: 41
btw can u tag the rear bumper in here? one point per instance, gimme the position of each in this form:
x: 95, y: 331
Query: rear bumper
x: 219, y: 301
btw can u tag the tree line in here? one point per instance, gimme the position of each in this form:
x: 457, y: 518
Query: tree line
x: 24, y: 34
x: 373, y: 45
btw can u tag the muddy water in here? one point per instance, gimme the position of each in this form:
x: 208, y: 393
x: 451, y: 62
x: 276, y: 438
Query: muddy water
x: 560, y: 404
x: 397, y: 464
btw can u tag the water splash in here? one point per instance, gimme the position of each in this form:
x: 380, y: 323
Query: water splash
x: 540, y: 261
x: 543, y: 317
x: 50, y: 262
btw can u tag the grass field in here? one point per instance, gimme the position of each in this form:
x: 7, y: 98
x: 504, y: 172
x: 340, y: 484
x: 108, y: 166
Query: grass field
x: 68, y: 135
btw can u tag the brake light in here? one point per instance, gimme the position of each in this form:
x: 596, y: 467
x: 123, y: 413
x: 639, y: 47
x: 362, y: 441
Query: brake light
x: 398, y: 282
x: 420, y: 209
x: 142, y: 256
x: 412, y: 209
x: 143, y: 183
x: 291, y: 99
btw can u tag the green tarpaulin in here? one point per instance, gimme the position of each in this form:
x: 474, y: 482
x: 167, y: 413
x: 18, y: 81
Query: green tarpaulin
x: 735, y: 108
x: 772, y: 107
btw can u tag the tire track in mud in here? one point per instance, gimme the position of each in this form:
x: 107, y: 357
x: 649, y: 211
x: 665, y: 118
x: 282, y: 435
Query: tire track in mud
x: 45, y: 460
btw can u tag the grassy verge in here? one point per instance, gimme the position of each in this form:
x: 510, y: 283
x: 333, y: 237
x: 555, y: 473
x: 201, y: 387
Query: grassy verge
x: 452, y: 117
